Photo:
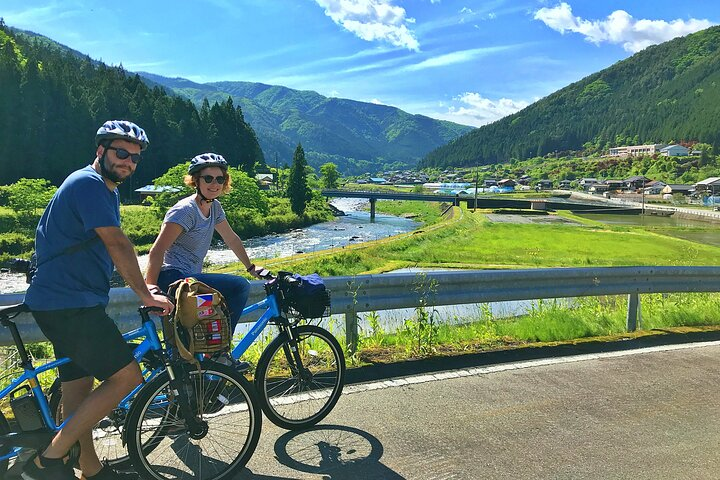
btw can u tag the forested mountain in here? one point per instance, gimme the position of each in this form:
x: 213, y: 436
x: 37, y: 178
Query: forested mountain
x: 359, y: 137
x: 663, y: 94
x: 52, y: 101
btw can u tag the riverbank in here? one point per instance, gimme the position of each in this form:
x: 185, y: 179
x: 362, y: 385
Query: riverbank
x: 471, y: 240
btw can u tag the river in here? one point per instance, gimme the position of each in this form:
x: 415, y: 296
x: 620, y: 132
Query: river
x: 354, y: 227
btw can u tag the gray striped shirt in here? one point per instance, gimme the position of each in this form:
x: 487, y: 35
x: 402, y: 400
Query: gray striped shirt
x: 190, y: 248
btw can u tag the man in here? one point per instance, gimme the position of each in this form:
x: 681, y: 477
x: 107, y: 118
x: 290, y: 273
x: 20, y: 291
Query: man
x: 78, y: 240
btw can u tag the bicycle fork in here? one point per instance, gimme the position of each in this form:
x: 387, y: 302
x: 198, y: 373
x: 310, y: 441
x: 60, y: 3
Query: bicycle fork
x: 184, y: 392
x: 294, y: 360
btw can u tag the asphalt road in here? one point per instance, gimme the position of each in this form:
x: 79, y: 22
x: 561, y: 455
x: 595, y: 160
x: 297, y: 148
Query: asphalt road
x: 633, y: 414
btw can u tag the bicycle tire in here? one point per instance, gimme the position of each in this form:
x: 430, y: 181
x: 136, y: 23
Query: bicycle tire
x: 233, y: 417
x: 4, y: 428
x: 297, y: 400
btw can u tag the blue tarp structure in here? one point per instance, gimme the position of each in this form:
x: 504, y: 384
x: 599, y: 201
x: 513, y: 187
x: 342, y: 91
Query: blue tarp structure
x: 711, y: 201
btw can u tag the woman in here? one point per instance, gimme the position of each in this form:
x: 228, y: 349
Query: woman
x: 187, y: 231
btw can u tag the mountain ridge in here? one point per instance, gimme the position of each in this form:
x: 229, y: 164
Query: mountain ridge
x: 664, y: 93
x: 358, y: 136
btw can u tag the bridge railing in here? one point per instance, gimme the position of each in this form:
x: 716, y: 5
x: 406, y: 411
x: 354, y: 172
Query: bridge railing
x: 363, y: 293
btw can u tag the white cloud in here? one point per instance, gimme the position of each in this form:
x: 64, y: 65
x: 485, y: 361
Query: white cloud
x: 454, y: 57
x: 372, y: 20
x: 376, y: 101
x: 476, y: 110
x: 619, y: 27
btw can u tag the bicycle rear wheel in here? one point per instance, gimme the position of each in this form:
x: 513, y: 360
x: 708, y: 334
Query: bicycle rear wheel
x: 294, y: 397
x: 224, y: 403
x: 4, y: 429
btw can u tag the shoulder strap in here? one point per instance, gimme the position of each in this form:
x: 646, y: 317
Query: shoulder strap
x: 72, y: 249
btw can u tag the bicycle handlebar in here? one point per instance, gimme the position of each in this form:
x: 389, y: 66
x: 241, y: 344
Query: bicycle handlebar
x: 145, y: 312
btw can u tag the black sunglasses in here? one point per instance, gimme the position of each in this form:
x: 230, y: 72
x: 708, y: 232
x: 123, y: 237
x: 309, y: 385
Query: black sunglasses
x: 122, y: 154
x: 209, y: 179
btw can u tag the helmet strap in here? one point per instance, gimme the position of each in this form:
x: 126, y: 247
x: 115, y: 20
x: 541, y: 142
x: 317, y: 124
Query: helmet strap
x: 203, y: 197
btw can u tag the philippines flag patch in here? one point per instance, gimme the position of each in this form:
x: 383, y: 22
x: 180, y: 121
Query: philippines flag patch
x: 205, y: 300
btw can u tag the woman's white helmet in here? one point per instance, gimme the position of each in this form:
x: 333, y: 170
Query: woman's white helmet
x: 123, y: 130
x: 206, y: 160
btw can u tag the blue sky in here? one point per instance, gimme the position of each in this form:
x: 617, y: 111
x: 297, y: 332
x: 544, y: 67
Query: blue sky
x: 467, y: 61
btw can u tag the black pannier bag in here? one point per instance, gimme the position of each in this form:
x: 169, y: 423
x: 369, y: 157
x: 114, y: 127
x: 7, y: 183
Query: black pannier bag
x: 306, y: 295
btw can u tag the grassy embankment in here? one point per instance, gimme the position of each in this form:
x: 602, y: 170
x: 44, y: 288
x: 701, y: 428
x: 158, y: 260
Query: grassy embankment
x: 470, y: 241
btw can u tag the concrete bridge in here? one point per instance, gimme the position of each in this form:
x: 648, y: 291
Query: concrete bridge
x: 485, y: 202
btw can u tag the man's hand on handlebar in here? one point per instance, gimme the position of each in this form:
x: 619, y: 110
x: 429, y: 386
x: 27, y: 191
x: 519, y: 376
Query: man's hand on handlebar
x: 160, y: 301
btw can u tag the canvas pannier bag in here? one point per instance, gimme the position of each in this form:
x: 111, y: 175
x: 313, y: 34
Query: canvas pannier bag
x: 200, y: 323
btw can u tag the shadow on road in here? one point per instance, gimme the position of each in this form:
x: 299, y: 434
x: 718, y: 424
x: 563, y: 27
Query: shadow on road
x: 337, y: 452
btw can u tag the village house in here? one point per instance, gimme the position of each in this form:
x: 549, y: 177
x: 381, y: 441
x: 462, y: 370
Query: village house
x: 654, y: 187
x: 614, y: 184
x: 586, y: 183
x: 675, y: 151
x: 636, y: 182
x: 152, y: 190
x: 634, y: 150
x: 489, y: 182
x: 673, y: 188
x: 709, y: 186
x: 544, y: 184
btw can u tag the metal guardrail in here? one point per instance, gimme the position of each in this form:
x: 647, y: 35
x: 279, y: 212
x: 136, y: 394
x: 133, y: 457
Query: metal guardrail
x: 364, y: 293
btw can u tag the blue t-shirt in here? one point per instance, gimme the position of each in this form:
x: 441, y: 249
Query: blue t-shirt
x: 80, y: 278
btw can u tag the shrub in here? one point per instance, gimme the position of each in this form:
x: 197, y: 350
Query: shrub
x: 14, y: 243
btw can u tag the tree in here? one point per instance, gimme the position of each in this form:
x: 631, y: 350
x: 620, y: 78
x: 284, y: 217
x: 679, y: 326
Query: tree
x: 244, y: 193
x: 706, y: 151
x: 298, y: 191
x: 27, y: 195
x: 329, y: 175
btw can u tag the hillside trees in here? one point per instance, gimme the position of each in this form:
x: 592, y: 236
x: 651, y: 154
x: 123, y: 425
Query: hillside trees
x: 52, y: 103
x: 664, y: 93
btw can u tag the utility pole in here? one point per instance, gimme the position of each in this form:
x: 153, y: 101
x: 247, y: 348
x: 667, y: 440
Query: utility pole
x: 476, y: 188
x: 643, y: 199
x: 277, y: 174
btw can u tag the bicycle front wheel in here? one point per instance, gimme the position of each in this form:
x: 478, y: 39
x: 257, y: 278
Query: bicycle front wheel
x: 224, y: 405
x: 296, y: 396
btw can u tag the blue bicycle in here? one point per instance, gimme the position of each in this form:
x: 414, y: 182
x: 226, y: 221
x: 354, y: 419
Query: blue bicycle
x: 299, y: 377
x: 179, y: 415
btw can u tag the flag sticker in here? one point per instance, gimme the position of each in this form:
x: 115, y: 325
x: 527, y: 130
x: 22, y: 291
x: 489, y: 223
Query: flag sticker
x: 205, y: 300
x: 206, y: 312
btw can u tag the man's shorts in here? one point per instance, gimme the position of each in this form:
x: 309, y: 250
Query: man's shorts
x: 89, y: 338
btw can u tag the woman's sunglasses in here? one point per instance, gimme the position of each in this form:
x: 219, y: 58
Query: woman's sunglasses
x: 122, y: 154
x: 209, y: 179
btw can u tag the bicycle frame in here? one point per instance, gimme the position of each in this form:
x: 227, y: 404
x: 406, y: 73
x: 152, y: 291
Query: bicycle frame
x: 151, y: 341
x: 270, y: 303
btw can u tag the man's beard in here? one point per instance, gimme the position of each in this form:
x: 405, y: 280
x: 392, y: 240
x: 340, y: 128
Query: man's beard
x: 110, y: 175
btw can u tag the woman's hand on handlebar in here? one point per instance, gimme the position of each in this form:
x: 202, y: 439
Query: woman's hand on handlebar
x: 261, y: 273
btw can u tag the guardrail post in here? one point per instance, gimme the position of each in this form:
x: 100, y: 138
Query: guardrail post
x: 633, y: 313
x: 351, y: 330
